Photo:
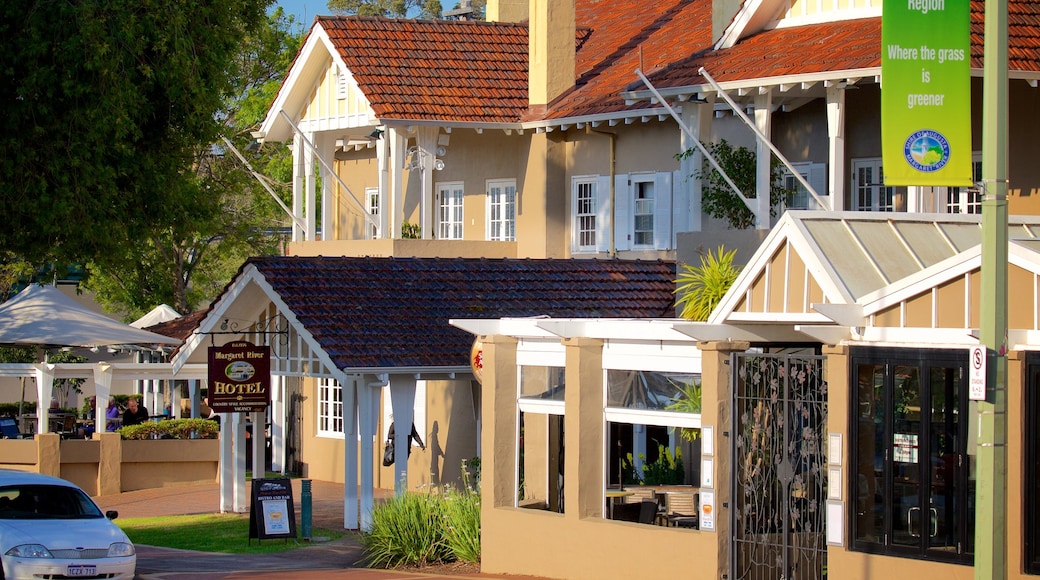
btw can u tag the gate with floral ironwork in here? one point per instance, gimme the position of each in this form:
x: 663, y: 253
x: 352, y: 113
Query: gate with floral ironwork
x: 779, y: 463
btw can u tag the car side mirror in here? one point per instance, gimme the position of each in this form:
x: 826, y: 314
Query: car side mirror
x: 111, y: 514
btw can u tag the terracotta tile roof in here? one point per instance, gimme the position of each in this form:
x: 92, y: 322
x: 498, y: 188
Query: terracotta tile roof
x: 616, y: 38
x: 839, y: 46
x: 477, y: 71
x: 443, y: 70
x: 394, y: 312
x: 180, y: 328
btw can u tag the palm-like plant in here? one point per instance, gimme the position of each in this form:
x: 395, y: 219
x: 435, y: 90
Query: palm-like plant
x: 701, y: 288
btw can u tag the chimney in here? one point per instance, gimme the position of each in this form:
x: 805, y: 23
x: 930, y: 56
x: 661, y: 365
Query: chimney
x: 551, y: 28
x: 506, y: 10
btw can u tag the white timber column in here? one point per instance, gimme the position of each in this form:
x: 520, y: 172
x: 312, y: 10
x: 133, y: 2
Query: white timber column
x: 349, y: 389
x: 310, y: 190
x: 44, y: 394
x: 102, y: 393
x: 194, y: 410
x: 298, y: 185
x: 278, y: 424
x: 240, y: 497
x: 395, y: 198
x: 384, y: 159
x: 227, y: 475
x: 329, y: 208
x: 368, y: 414
x: 836, y: 147
x: 427, y: 141
x: 258, y: 442
x: 698, y: 117
x: 763, y: 183
x: 402, y: 406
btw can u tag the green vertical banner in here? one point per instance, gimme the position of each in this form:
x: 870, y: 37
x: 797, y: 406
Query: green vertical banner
x: 926, y: 92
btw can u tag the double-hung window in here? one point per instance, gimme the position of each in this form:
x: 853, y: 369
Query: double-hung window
x: 330, y: 408
x: 449, y: 211
x: 913, y: 482
x: 372, y: 205
x: 869, y: 192
x: 967, y: 199
x: 585, y: 210
x: 798, y: 197
x: 643, y: 213
x: 501, y: 204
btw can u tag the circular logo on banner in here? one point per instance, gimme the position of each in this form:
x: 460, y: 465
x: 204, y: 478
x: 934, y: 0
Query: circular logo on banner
x: 926, y: 150
x: 239, y: 371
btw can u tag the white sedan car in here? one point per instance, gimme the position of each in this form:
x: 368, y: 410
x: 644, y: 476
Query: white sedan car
x: 50, y: 528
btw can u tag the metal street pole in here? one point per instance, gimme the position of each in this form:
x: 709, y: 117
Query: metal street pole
x: 991, y: 485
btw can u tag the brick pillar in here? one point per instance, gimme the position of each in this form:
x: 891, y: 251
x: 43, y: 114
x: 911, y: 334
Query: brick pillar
x: 716, y: 411
x: 498, y: 414
x: 110, y: 463
x: 583, y: 428
x: 48, y: 454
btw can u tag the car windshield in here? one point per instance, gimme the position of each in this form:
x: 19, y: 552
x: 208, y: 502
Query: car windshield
x: 45, y: 502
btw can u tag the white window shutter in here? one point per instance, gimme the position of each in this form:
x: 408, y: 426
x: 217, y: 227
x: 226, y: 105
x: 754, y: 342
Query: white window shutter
x: 663, y: 211
x: 603, y: 212
x: 622, y: 212
x: 681, y: 214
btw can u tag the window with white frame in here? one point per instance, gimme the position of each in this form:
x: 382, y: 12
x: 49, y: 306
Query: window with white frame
x: 813, y: 173
x: 372, y: 205
x: 330, y: 408
x: 585, y: 210
x: 967, y: 199
x: 501, y: 204
x: 643, y: 212
x: 449, y: 211
x: 868, y: 187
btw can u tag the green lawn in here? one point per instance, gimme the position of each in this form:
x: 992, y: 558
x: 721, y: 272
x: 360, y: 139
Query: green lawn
x: 220, y: 533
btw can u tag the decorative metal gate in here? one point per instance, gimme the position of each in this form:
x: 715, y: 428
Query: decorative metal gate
x: 778, y: 499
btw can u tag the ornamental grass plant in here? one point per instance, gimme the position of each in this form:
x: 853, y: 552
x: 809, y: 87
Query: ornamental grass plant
x: 419, y: 529
x: 407, y: 530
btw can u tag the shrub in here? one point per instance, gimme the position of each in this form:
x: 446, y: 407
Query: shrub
x: 172, y: 429
x: 406, y: 531
x: 461, y: 512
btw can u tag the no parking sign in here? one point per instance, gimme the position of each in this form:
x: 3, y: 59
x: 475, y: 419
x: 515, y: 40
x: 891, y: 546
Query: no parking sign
x: 977, y: 377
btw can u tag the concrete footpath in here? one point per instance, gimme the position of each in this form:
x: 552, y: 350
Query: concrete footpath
x: 337, y: 559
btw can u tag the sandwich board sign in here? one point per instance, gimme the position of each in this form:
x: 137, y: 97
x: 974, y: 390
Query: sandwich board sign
x: 272, y: 514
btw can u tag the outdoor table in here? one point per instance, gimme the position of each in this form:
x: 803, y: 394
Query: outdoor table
x: 613, y: 496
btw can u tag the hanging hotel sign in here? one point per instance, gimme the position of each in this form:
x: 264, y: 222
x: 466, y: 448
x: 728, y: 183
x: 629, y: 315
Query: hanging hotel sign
x: 926, y: 92
x: 239, y: 377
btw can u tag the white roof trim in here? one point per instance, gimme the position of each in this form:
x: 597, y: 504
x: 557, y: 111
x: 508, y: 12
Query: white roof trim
x: 922, y: 281
x: 918, y: 337
x: 274, y: 127
x: 250, y: 275
x: 515, y: 327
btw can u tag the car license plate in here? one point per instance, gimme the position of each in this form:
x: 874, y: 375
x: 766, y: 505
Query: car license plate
x: 79, y: 570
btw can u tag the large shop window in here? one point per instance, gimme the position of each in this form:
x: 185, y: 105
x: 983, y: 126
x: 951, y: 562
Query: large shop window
x: 913, y: 483
x: 1031, y: 469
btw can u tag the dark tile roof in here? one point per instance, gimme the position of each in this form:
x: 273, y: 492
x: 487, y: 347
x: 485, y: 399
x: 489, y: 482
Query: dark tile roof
x: 477, y: 71
x: 180, y: 328
x: 394, y: 312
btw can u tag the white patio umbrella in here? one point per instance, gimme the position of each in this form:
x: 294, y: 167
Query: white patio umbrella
x: 159, y: 314
x: 44, y: 316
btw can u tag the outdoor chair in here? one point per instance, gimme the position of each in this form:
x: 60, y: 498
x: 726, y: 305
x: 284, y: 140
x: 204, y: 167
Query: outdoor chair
x: 9, y: 428
x: 640, y: 493
x: 682, y: 509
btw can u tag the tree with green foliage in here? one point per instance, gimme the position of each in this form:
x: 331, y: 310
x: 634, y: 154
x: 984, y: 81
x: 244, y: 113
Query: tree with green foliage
x: 701, y: 288
x: 718, y: 199
x: 186, y: 261
x: 102, y: 108
x: 423, y: 9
